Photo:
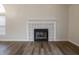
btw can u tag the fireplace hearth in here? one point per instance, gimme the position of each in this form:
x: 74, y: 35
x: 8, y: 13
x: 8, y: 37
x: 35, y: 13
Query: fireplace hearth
x: 40, y: 34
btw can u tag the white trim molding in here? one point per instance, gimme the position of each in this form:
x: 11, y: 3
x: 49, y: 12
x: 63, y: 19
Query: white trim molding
x: 74, y: 42
x: 15, y: 40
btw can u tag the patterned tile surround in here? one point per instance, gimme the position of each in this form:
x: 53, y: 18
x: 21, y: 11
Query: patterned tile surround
x: 41, y: 24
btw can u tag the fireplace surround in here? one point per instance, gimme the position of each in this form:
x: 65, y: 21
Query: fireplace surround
x: 40, y: 24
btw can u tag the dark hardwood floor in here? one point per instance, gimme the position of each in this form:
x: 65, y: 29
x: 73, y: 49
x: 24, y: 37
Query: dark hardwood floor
x: 38, y: 48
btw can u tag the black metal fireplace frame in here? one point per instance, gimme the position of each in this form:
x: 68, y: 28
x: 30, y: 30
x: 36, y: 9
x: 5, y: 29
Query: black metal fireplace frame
x: 40, y: 30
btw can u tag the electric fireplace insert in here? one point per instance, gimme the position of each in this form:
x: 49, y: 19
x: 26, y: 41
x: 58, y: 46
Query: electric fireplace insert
x: 40, y: 34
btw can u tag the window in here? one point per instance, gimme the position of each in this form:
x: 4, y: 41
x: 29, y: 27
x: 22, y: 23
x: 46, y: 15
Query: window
x: 2, y: 20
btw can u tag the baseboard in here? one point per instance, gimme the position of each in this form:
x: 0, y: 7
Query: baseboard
x: 15, y: 40
x: 30, y: 40
x: 61, y: 40
x: 74, y: 43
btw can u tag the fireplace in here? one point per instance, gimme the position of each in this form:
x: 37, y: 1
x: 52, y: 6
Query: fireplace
x: 41, y: 25
x: 40, y: 34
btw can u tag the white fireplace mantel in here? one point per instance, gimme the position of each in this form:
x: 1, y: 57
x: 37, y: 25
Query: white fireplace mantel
x: 40, y: 23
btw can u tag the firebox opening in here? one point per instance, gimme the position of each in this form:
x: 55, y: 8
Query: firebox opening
x: 40, y: 34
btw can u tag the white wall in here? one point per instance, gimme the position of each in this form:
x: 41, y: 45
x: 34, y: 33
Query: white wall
x: 18, y: 14
x: 74, y: 24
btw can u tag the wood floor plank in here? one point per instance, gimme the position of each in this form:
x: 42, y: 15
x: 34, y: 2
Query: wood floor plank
x: 28, y: 49
x: 65, y: 49
x: 55, y: 49
x: 46, y: 48
x: 73, y: 47
x: 38, y: 48
x: 14, y: 48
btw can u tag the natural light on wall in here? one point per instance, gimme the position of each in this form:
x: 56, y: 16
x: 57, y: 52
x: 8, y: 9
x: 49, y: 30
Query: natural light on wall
x: 2, y: 20
x: 2, y: 9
